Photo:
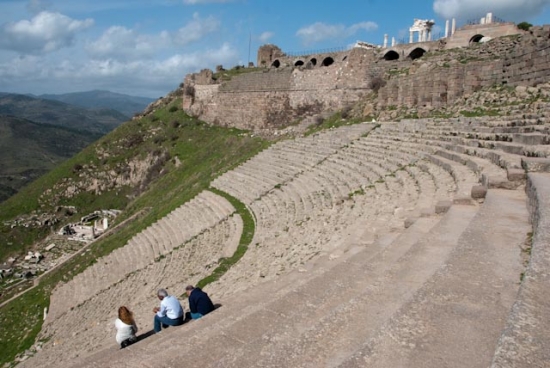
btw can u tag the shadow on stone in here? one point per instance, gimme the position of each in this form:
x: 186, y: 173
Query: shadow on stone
x: 145, y: 335
x: 187, y: 320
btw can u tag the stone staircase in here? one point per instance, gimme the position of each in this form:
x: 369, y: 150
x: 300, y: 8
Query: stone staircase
x: 399, y: 245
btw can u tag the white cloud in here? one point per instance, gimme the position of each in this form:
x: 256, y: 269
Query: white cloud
x: 510, y: 10
x: 123, y: 43
x: 322, y: 31
x: 266, y: 36
x: 196, y: 29
x: 45, y: 32
x: 140, y: 77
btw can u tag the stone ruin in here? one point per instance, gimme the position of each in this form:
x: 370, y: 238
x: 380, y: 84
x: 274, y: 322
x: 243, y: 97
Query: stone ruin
x: 85, y: 230
x: 423, y: 28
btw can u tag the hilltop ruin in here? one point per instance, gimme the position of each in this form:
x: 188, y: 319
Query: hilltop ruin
x: 424, y: 76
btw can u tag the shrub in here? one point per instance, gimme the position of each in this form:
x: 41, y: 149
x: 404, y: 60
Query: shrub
x: 525, y: 26
x: 77, y: 168
x: 173, y: 109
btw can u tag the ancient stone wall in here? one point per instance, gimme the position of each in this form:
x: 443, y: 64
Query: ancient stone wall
x: 275, y: 97
x: 433, y: 85
x: 462, y: 37
x: 266, y: 80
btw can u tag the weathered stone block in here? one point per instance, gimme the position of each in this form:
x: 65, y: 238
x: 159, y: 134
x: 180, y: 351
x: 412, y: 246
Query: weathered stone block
x: 479, y: 191
x: 530, y: 138
x: 516, y: 174
x: 536, y: 164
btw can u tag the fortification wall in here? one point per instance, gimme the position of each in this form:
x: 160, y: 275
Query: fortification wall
x: 266, y: 80
x: 434, y: 85
x: 463, y: 36
x: 275, y: 97
x: 250, y: 110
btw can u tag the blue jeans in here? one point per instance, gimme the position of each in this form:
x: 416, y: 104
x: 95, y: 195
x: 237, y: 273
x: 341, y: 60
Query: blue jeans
x: 160, y: 321
x: 196, y: 315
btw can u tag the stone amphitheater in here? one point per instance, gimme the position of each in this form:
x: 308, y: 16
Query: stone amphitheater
x: 421, y: 243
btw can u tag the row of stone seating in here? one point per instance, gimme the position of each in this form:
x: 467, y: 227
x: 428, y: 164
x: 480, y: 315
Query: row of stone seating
x: 173, y: 230
x: 89, y: 326
x: 283, y: 161
x: 301, y: 217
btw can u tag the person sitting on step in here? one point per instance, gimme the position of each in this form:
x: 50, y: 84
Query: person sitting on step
x: 170, y: 312
x: 199, y: 302
x: 126, y: 328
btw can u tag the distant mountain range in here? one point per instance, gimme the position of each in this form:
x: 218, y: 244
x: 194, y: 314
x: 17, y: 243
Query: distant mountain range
x: 128, y: 105
x: 37, y: 133
x: 30, y: 150
x: 52, y: 112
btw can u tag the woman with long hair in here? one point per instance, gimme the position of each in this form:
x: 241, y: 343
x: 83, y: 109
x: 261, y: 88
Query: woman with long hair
x: 126, y: 327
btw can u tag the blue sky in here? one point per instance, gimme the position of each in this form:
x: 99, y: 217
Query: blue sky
x: 145, y: 48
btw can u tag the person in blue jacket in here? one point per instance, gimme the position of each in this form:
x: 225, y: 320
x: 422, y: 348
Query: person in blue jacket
x: 199, y: 302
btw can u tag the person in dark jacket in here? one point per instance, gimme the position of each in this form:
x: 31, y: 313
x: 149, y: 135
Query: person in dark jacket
x: 199, y: 302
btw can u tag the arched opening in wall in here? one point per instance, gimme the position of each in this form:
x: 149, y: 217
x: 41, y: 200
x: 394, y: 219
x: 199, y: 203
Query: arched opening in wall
x: 276, y: 64
x: 477, y: 38
x: 328, y: 61
x: 417, y: 53
x: 391, y: 55
x: 313, y: 61
x: 299, y: 63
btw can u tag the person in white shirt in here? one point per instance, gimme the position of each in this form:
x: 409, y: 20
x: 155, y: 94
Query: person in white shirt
x: 126, y: 328
x: 170, y: 312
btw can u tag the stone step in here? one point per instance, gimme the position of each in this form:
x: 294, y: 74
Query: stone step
x: 224, y: 327
x: 517, y: 149
x: 337, y: 332
x: 536, y: 164
x: 465, y: 178
x: 456, y: 319
x: 491, y: 175
x: 524, y: 342
x: 275, y: 335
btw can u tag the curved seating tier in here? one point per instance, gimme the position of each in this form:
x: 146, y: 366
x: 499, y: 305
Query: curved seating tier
x: 89, y: 325
x: 283, y: 161
x: 173, y: 230
x: 354, y: 192
x: 363, y: 308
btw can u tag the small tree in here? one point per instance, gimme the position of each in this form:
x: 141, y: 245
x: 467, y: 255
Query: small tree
x: 525, y: 26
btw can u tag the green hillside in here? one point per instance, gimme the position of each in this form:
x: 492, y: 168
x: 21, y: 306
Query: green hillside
x: 182, y: 156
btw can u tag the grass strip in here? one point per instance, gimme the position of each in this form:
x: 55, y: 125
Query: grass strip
x: 247, y: 235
